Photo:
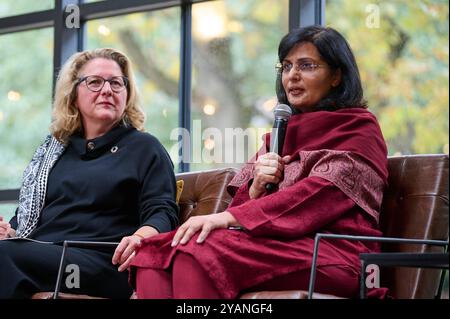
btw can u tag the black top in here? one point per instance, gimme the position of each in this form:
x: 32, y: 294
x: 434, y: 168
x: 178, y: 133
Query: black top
x: 106, y: 188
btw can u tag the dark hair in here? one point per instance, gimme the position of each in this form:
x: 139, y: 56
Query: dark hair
x: 336, y: 52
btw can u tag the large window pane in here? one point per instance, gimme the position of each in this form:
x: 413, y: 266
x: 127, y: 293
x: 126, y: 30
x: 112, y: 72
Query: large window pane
x: 16, y: 7
x: 235, y: 47
x: 25, y: 99
x: 402, y: 50
x: 152, y: 42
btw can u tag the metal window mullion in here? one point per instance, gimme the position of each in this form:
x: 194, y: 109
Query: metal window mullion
x: 106, y: 9
x: 303, y: 13
x: 27, y: 22
x: 9, y: 196
x: 66, y: 40
x: 184, y: 84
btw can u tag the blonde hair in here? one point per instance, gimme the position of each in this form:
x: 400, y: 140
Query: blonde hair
x: 66, y: 118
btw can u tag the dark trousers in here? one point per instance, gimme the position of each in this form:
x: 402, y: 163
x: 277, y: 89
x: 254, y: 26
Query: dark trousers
x: 28, y: 267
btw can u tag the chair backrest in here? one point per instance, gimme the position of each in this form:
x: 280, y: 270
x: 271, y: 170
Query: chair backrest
x: 205, y: 192
x: 415, y: 205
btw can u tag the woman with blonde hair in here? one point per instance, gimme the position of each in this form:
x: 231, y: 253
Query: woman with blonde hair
x: 96, y: 177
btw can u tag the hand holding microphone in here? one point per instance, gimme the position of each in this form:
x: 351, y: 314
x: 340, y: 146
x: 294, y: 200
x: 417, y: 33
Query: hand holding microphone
x: 269, y: 167
x: 282, y: 114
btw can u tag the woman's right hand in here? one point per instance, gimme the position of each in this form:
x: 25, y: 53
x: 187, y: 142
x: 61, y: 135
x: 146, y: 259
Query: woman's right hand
x: 268, y: 169
x: 5, y: 229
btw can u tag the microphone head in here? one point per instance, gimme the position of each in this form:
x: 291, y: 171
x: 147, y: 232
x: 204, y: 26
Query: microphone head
x: 282, y: 111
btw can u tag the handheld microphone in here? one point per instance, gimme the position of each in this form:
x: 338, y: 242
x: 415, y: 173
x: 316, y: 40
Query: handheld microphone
x: 282, y: 114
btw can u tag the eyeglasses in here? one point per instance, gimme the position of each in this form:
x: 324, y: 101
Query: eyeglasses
x: 304, y: 67
x: 95, y: 83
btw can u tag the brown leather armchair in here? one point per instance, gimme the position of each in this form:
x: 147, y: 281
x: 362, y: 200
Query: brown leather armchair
x: 415, y: 205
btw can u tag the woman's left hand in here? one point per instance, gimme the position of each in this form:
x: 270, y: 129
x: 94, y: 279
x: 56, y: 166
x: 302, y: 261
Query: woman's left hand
x: 124, y: 252
x: 205, y: 223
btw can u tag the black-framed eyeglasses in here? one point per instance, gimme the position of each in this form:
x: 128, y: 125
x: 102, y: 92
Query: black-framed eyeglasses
x: 303, y: 67
x: 95, y: 83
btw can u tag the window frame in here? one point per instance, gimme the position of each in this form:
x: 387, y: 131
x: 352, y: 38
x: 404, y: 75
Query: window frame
x: 68, y: 41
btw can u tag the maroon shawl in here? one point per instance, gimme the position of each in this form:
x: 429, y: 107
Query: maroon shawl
x: 345, y: 147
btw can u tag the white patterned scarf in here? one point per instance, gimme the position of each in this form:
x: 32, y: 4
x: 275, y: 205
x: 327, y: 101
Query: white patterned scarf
x: 34, y: 185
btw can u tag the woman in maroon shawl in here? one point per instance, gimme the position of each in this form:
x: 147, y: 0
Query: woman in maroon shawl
x: 330, y: 179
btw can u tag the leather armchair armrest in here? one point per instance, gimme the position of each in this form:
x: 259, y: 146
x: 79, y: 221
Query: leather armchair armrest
x: 417, y: 260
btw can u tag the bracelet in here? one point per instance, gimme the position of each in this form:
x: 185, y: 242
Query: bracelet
x: 139, y: 235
